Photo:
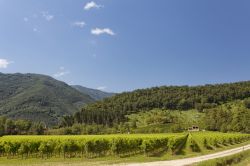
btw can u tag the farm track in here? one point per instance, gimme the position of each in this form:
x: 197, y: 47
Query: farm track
x: 189, y: 161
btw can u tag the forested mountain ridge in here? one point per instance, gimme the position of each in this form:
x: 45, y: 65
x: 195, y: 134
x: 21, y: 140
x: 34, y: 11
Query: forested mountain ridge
x: 93, y: 93
x: 38, y: 98
x: 114, y: 109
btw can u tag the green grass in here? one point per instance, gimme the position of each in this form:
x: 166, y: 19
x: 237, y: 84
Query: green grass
x: 240, y: 159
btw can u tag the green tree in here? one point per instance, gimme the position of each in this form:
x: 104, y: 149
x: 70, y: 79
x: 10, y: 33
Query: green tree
x: 10, y: 127
x: 38, y: 128
x: 2, y: 125
x: 247, y: 103
x: 22, y: 126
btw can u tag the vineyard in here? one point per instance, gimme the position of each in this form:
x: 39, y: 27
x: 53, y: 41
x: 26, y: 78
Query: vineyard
x: 212, y: 140
x: 115, y: 145
x: 87, y: 146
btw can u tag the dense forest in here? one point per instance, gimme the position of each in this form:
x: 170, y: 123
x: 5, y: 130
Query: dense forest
x: 229, y: 117
x: 114, y: 110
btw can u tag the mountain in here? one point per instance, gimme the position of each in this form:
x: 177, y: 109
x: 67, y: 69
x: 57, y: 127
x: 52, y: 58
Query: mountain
x: 38, y: 98
x: 93, y: 93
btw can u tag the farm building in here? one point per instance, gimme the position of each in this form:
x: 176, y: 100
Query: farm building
x: 194, y: 128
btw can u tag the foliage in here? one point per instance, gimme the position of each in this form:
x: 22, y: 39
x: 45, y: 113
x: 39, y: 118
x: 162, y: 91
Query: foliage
x: 154, y: 121
x: 125, y: 145
x: 228, y: 117
x: 174, y: 120
x: 88, y: 146
x: 153, y: 145
x: 247, y: 103
x: 20, y: 127
x: 212, y: 140
x: 114, y: 110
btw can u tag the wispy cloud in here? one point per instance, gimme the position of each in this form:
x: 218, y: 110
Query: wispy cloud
x: 4, y: 63
x: 79, y: 24
x: 25, y: 19
x: 61, y: 72
x: 101, y: 88
x: 35, y: 30
x: 47, y: 16
x: 91, y: 5
x: 99, y: 31
x: 32, y: 19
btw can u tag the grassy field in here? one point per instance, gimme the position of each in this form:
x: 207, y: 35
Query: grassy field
x: 184, y: 148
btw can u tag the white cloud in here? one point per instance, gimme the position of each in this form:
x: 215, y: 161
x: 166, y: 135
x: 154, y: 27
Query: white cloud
x: 99, y: 31
x: 79, y: 24
x: 91, y: 5
x: 4, y: 63
x: 25, y: 19
x: 47, y: 16
x: 101, y: 88
x: 61, y: 72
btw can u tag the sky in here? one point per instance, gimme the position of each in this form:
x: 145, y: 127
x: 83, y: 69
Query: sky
x: 122, y: 45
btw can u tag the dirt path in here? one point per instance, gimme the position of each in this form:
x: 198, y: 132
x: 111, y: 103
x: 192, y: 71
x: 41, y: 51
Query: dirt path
x: 188, y: 161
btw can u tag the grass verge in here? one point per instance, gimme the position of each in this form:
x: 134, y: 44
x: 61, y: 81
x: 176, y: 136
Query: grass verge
x: 240, y: 159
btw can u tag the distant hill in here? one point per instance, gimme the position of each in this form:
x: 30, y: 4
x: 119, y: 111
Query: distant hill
x: 93, y: 93
x: 38, y: 97
x: 115, y: 109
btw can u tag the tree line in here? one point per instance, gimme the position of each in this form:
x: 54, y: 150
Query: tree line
x: 20, y: 127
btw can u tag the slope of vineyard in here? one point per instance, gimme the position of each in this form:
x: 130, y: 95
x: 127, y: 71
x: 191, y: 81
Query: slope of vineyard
x: 88, y: 146
x: 213, y: 140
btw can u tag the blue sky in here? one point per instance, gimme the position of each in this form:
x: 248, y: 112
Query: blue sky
x: 121, y: 45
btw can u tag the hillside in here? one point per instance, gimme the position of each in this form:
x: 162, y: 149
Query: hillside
x: 114, y: 110
x: 93, y: 93
x: 38, y: 98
